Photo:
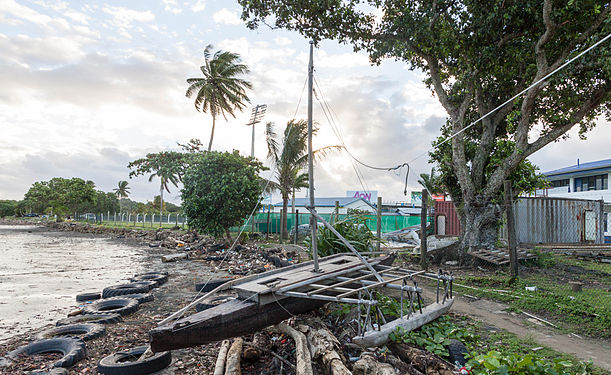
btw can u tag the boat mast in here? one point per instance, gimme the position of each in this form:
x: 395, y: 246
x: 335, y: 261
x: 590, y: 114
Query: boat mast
x: 313, y: 225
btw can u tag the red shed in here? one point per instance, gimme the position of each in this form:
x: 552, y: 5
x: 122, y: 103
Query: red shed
x: 446, y: 219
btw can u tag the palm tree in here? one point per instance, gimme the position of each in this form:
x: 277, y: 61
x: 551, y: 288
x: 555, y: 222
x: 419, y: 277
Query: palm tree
x: 220, y: 92
x: 165, y: 177
x: 431, y: 182
x: 123, y: 190
x: 290, y: 161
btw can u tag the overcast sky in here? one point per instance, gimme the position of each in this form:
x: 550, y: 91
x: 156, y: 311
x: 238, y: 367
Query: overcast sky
x: 88, y: 86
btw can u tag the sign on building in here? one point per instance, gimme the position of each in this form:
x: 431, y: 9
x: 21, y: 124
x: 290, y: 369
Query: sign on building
x: 368, y: 195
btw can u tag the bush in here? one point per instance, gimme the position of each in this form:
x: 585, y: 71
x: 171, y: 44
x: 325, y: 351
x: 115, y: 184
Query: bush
x: 352, y: 228
x: 220, y: 190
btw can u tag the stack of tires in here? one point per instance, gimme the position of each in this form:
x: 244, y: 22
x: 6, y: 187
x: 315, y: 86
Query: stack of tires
x: 108, y: 307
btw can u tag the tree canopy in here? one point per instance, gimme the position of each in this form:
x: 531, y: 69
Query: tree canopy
x: 476, y: 55
x: 220, y: 190
x: 220, y: 91
x: 61, y: 196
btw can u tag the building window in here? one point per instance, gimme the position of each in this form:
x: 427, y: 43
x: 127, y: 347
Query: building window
x: 560, y: 183
x: 599, y: 182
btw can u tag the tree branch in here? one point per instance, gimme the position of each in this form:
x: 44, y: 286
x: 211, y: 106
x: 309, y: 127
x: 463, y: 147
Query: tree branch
x: 435, y: 73
x: 550, y: 27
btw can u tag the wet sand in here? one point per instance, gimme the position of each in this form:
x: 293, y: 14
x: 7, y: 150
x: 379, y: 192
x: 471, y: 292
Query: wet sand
x: 41, y: 271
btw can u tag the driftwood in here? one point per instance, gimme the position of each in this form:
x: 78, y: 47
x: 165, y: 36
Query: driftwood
x: 304, y: 359
x: 404, y: 368
x: 369, y: 365
x: 219, y: 368
x: 174, y: 257
x: 280, y: 358
x: 253, y: 352
x: 324, y: 347
x: 425, y: 362
x: 233, y: 358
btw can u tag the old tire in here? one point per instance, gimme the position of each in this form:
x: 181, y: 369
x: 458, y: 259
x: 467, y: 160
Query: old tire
x: 140, y: 297
x: 108, y: 318
x: 457, y: 351
x: 213, y: 301
x: 121, y: 306
x: 210, y: 285
x: 85, y: 332
x: 87, y: 297
x: 117, y: 364
x: 73, y: 350
x: 55, y: 371
x: 147, y: 283
x: 123, y: 289
x: 156, y: 277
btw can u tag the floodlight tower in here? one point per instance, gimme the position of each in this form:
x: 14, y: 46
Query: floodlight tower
x: 256, y: 116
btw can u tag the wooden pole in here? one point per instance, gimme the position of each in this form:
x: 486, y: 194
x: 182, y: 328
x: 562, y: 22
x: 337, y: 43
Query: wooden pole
x: 379, y: 223
x: 511, y: 229
x: 296, y: 226
x: 268, y: 224
x: 312, y: 207
x: 423, y: 219
x: 336, y: 218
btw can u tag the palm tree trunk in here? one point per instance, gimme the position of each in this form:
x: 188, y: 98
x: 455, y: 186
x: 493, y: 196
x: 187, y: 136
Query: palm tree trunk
x: 161, y: 202
x: 212, y: 133
x: 283, y: 228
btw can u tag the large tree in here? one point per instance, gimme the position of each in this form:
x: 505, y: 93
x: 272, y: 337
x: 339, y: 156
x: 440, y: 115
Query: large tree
x: 220, y: 190
x: 475, y: 55
x: 221, y: 90
x: 167, y: 165
x: 289, y: 156
x: 61, y: 196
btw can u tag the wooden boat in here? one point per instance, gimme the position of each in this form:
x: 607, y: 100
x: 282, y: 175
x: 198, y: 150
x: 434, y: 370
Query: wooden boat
x: 271, y: 297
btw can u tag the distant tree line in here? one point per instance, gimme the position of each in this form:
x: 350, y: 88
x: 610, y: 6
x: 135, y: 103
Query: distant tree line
x: 65, y: 197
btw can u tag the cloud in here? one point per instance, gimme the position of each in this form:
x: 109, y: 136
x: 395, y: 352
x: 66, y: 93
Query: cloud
x: 199, y: 6
x: 124, y: 17
x: 172, y: 6
x: 227, y: 17
x: 12, y: 13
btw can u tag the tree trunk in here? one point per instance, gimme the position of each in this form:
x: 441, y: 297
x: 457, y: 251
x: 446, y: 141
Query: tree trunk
x: 302, y: 353
x: 479, y: 222
x: 212, y: 133
x: 284, y: 226
x: 233, y: 358
x: 219, y: 368
x: 160, y: 202
x: 228, y: 236
x: 422, y: 360
x: 324, y: 347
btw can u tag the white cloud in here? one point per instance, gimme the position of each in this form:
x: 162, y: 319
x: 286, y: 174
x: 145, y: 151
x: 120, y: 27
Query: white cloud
x: 172, y: 6
x: 227, y: 17
x: 199, y: 6
x: 283, y: 41
x: 124, y: 17
x: 11, y: 11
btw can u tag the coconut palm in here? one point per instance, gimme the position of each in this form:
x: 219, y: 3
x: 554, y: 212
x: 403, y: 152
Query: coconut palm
x: 219, y: 91
x: 123, y: 190
x: 289, y: 161
x: 431, y: 182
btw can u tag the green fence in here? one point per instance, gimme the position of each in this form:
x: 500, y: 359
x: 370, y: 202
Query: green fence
x: 261, y: 224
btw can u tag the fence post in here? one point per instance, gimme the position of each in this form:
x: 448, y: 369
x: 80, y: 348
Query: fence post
x: 268, y: 214
x: 511, y: 229
x: 379, y: 223
x: 296, y: 226
x: 423, y: 220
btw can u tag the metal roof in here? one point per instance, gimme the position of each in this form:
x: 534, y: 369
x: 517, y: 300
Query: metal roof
x: 324, y: 202
x: 582, y: 167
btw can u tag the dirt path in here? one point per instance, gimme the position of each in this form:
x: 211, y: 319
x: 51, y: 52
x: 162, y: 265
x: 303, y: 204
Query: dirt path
x: 495, y: 314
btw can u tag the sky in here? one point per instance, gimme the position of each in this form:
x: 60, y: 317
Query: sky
x: 88, y: 86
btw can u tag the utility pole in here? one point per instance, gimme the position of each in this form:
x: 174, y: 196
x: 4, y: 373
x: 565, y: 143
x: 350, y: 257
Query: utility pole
x: 379, y: 223
x: 313, y: 227
x: 423, y: 222
x: 256, y: 116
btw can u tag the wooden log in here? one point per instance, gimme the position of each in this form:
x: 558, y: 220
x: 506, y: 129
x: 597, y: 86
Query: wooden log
x: 304, y: 359
x: 325, y: 348
x: 369, y: 365
x: 424, y: 362
x: 233, y: 358
x: 404, y: 368
x: 219, y: 368
x: 231, y: 319
x: 174, y: 257
x: 252, y: 352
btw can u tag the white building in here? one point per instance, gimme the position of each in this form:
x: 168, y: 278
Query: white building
x: 326, y: 205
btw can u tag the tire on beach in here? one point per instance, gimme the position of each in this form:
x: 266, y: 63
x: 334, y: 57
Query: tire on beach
x: 107, y: 318
x: 88, y: 297
x: 156, y: 277
x: 122, y: 289
x: 147, y: 283
x: 456, y: 352
x: 72, y: 349
x: 140, y: 297
x: 55, y: 371
x: 164, y: 273
x: 117, y: 364
x: 210, y: 285
x: 121, y: 306
x: 213, y: 301
x: 85, y: 331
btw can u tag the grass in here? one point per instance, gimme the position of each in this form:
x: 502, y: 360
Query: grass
x: 587, y: 312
